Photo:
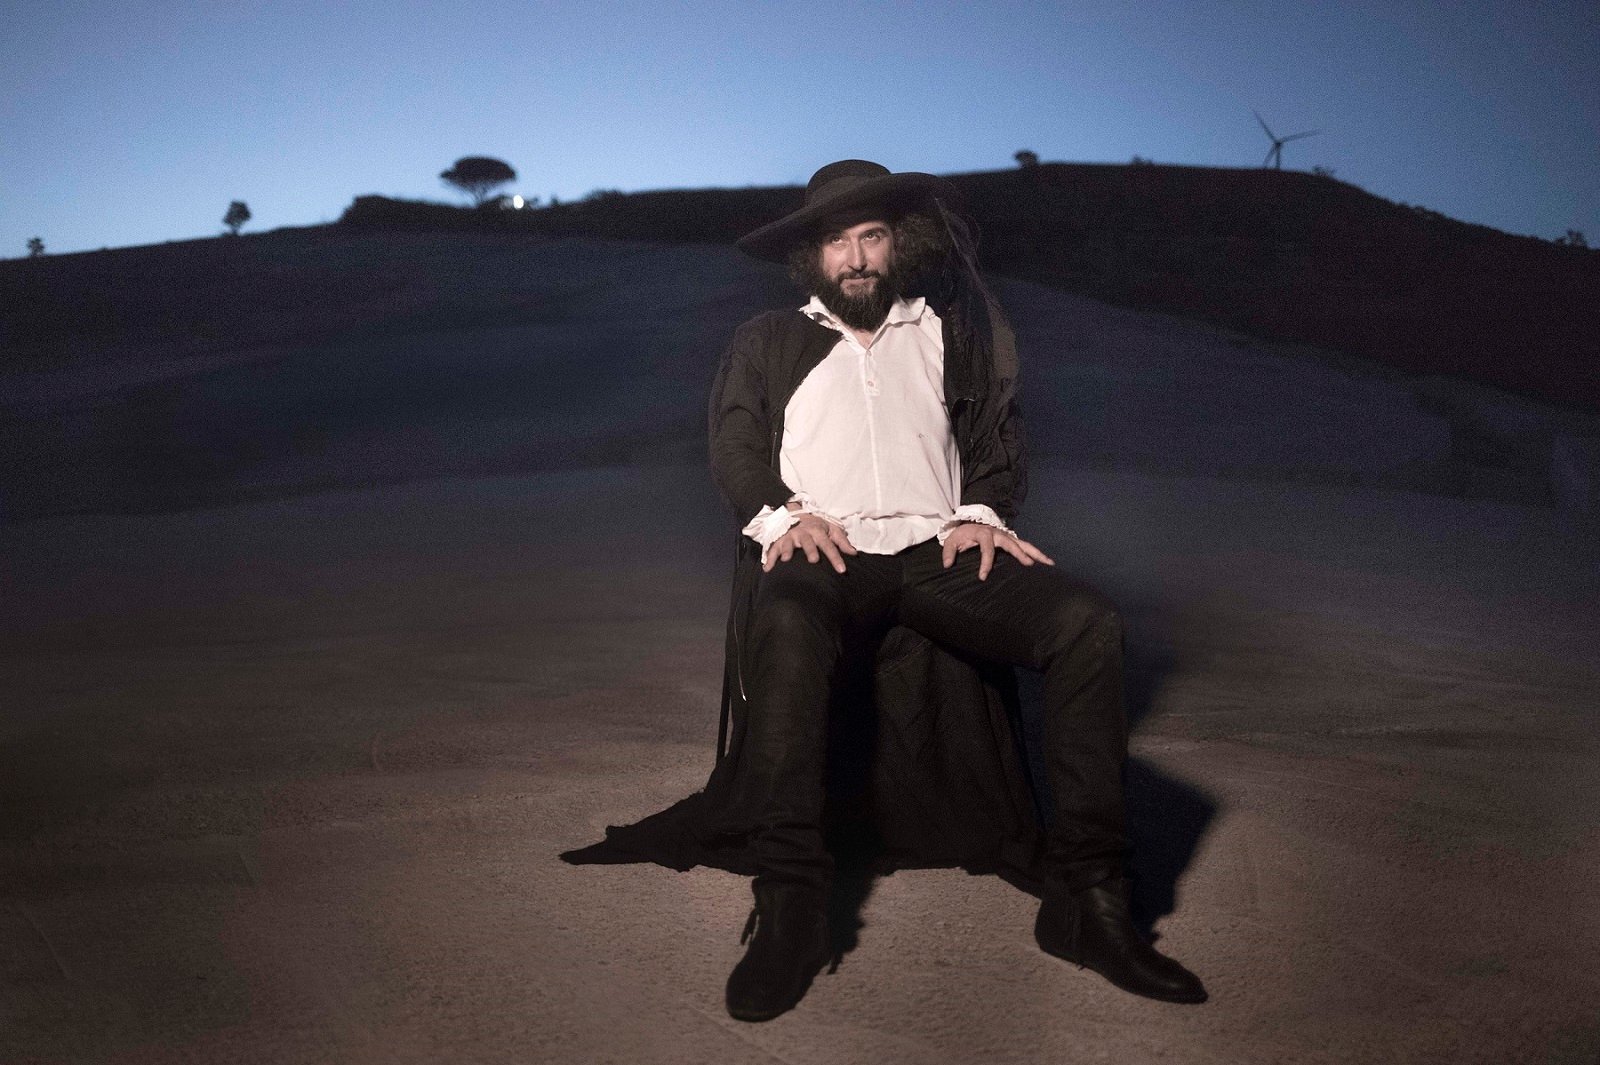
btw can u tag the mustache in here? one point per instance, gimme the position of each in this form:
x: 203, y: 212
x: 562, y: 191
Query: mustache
x: 854, y: 275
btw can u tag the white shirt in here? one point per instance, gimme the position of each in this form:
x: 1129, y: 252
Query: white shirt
x: 867, y: 441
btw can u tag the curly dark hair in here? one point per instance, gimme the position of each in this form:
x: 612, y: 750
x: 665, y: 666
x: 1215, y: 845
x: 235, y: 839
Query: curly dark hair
x: 920, y: 247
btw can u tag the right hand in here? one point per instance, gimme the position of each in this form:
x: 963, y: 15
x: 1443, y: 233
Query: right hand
x: 817, y: 537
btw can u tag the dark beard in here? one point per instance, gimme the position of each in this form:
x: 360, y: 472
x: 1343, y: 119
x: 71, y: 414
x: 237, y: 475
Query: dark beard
x: 866, y: 311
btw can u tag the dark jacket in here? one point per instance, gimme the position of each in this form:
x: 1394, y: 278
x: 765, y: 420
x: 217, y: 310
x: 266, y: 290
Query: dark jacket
x: 935, y: 771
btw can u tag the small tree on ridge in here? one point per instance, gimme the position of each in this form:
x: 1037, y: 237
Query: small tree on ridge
x: 477, y: 176
x: 238, y: 214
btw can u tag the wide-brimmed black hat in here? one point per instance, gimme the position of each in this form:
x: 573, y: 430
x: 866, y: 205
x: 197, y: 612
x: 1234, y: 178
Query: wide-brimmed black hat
x: 841, y: 187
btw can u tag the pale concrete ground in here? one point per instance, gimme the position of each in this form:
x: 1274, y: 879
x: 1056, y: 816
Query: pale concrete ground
x: 284, y: 780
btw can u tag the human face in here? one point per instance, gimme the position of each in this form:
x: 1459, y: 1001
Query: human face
x: 858, y: 258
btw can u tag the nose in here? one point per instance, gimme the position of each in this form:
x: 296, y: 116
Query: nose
x: 857, y: 255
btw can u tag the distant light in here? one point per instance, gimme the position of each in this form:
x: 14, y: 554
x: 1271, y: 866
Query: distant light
x: 517, y: 202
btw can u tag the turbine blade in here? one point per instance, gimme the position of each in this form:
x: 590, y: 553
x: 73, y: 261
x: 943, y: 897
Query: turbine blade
x: 1297, y: 136
x: 1270, y: 153
x: 1264, y: 124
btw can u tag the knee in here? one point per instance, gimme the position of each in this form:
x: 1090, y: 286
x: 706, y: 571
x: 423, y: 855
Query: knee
x: 1085, y: 622
x: 1104, y: 623
x: 790, y: 620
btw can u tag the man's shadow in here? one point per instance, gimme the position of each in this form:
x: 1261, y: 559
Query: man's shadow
x: 1166, y: 817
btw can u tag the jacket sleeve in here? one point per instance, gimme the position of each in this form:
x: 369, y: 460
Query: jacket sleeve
x: 741, y: 428
x: 995, y: 473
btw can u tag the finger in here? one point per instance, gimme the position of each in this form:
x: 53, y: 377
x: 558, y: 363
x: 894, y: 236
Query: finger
x: 949, y: 553
x: 832, y: 552
x: 1036, y: 553
x: 837, y: 535
x: 785, y: 548
x: 774, y: 555
x: 1013, y: 547
x: 810, y: 544
x: 986, y: 560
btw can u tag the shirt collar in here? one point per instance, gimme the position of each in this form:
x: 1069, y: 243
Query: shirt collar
x: 901, y: 310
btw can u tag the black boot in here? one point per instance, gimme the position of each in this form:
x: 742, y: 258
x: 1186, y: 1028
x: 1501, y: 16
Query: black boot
x: 789, y: 946
x: 1091, y: 928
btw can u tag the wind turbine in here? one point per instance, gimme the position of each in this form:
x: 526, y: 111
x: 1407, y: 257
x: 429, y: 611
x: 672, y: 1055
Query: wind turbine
x: 1274, y: 157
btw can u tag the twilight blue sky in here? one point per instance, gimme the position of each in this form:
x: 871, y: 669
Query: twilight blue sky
x: 136, y: 121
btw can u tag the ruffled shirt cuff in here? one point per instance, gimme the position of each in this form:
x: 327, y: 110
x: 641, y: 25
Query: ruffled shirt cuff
x: 975, y: 512
x: 770, y: 524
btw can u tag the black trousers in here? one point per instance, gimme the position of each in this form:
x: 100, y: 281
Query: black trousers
x: 806, y: 614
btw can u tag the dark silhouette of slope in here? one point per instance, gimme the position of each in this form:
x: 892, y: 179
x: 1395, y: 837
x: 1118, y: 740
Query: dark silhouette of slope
x: 1305, y: 258
x: 1281, y: 255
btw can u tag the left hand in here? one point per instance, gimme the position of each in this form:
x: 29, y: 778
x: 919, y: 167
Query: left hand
x: 985, y: 538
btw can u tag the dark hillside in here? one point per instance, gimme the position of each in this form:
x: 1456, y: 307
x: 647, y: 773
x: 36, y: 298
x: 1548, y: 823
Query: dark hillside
x: 1281, y: 255
x: 1304, y: 258
x: 185, y: 296
x: 289, y: 286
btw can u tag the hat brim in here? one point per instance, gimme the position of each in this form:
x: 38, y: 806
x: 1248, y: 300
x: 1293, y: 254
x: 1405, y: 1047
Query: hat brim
x: 897, y: 192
